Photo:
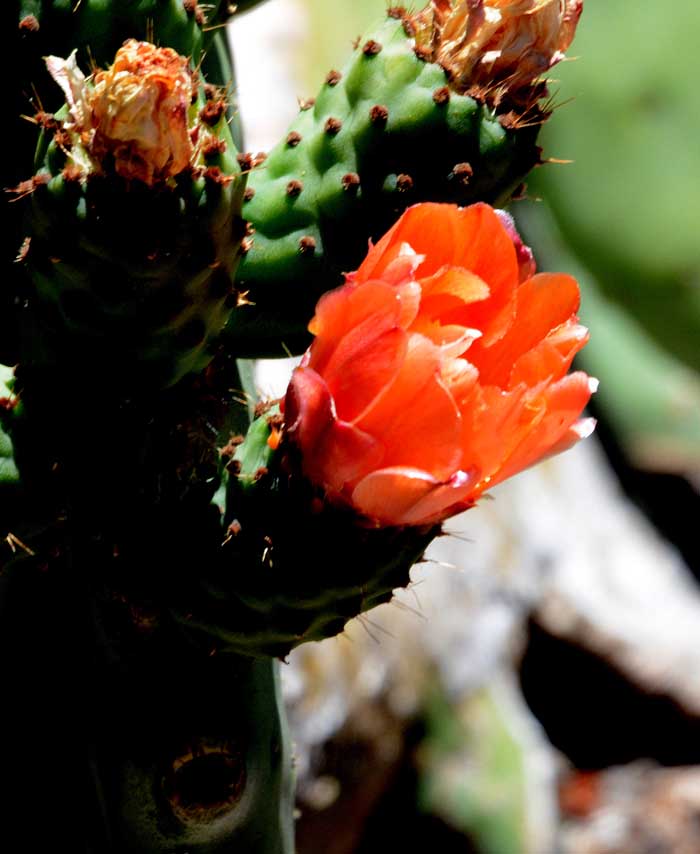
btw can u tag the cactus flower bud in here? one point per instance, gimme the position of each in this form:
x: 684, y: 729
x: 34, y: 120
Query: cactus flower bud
x: 438, y: 369
x: 489, y: 45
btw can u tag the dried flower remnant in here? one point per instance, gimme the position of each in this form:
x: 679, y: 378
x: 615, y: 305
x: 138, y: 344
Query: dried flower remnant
x: 133, y: 115
x: 139, y: 112
x: 438, y: 369
x: 497, y: 47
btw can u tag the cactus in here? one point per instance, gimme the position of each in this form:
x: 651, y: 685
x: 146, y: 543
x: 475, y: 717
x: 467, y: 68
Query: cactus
x: 147, y: 550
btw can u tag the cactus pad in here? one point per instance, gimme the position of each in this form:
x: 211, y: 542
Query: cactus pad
x: 386, y: 132
x: 133, y: 252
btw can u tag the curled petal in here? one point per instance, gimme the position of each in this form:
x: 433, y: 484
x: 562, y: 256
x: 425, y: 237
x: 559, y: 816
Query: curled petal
x: 552, y: 357
x: 562, y: 404
x: 402, y: 495
x: 308, y: 409
x: 543, y: 303
x: 333, y: 452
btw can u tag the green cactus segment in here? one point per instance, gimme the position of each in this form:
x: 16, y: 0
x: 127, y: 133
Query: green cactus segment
x: 98, y: 27
x: 130, y: 281
x: 8, y: 470
x: 202, y: 767
x: 292, y: 568
x: 385, y: 133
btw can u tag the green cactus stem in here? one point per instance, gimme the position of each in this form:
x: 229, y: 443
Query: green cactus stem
x: 39, y: 28
x: 135, y: 273
x: 179, y: 751
x: 385, y: 132
x: 261, y: 596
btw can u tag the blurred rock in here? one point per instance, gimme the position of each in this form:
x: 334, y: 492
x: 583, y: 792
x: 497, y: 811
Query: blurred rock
x: 640, y: 809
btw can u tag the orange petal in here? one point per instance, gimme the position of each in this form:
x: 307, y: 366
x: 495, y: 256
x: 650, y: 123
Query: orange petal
x: 463, y: 285
x: 362, y: 311
x: 543, y: 302
x: 362, y: 367
x: 402, y: 268
x: 445, y: 500
x: 473, y: 238
x: 453, y: 341
x: 493, y: 424
x: 429, y: 228
x: 416, y: 417
x: 564, y: 402
x: 388, y: 494
x: 402, y: 495
x: 552, y: 357
x: 460, y: 377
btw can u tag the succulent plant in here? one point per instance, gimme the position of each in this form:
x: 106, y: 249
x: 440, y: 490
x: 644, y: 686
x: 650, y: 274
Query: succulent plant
x: 157, y: 551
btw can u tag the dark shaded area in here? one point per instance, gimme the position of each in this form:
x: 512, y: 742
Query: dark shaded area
x: 380, y: 792
x: 594, y: 715
x: 397, y: 821
x: 670, y: 501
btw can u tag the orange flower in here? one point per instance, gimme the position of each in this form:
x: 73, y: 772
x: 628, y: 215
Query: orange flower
x: 438, y: 369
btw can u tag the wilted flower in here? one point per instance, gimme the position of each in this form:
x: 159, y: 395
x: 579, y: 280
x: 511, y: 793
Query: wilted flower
x: 489, y: 45
x: 139, y: 112
x: 133, y: 116
x: 438, y: 369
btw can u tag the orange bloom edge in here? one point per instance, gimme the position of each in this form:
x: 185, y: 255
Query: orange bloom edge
x: 439, y: 369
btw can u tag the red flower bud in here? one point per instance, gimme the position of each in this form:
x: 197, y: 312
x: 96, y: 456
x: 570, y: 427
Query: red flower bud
x: 438, y: 369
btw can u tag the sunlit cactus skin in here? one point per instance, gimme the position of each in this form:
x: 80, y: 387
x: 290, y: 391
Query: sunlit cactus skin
x: 384, y: 133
